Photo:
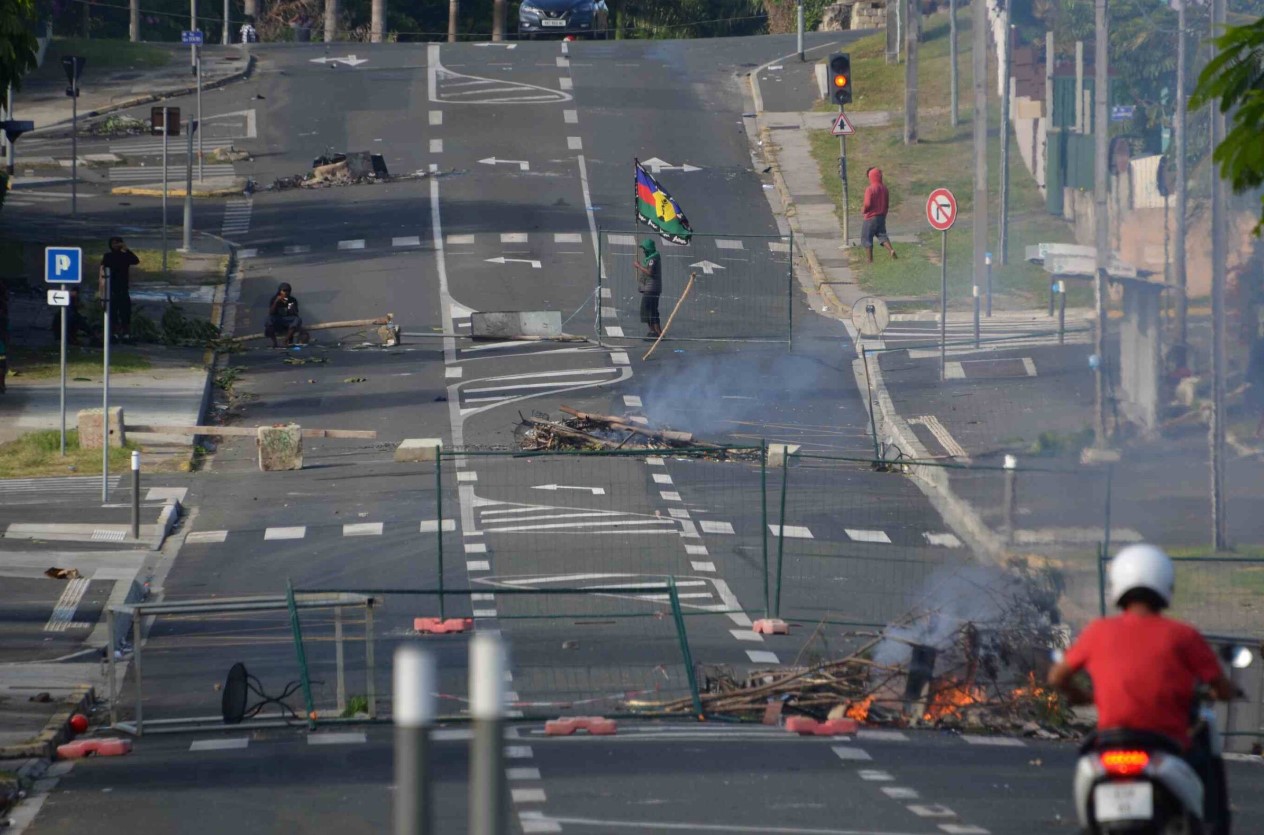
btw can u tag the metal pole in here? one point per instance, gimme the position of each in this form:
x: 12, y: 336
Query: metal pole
x: 133, y: 21
x: 223, y: 38
x: 166, y: 132
x: 193, y: 28
x: 842, y: 175
x: 188, y: 191
x: 1061, y: 312
x: 136, y: 671
x: 1010, y: 498
x: 74, y: 140
x: 975, y: 291
x: 781, y: 529
x: 63, y: 382
x: 1101, y: 90
x: 340, y: 665
x: 953, y: 72
x: 1219, y: 368
x: 439, y: 523
x: 197, y: 50
x: 414, y: 712
x: 910, y: 71
x: 763, y: 510
x: 110, y: 651
x: 799, y: 27
x: 487, y: 757
x: 105, y: 399
x: 1178, y: 151
x: 331, y: 20
x: 377, y: 17
x: 135, y: 495
x: 1002, y: 222
x: 987, y: 258
x: 978, y: 60
x: 943, y: 302
x: 370, y: 661
x: 454, y: 15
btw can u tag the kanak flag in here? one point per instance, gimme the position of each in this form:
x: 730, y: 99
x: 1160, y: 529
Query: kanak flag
x: 656, y: 208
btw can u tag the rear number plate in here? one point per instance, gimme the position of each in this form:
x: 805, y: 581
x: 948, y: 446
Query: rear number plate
x: 552, y: 22
x: 1123, y: 801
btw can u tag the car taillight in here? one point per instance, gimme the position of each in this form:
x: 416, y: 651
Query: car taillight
x: 1124, y: 763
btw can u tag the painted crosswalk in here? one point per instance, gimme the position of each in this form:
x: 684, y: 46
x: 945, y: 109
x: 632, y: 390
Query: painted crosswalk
x: 458, y: 88
x: 63, y: 616
x: 1004, y: 332
x: 466, y: 244
x: 146, y: 174
x: 301, y: 532
x: 493, y: 516
x: 33, y: 197
x: 41, y: 490
x: 237, y: 217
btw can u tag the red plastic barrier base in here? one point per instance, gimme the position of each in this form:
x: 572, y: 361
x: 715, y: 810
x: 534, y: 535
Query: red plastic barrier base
x: 771, y: 626
x: 594, y: 725
x: 439, y: 626
x: 807, y: 726
x: 108, y: 747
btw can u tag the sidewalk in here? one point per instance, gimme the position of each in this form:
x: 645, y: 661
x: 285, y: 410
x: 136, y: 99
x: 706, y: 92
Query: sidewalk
x: 43, y: 98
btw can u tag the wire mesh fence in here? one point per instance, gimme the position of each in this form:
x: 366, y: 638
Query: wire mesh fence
x: 739, y: 287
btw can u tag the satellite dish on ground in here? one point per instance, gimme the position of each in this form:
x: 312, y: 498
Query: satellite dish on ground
x: 870, y: 316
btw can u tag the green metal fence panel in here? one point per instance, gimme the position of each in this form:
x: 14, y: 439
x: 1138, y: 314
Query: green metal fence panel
x: 742, y: 287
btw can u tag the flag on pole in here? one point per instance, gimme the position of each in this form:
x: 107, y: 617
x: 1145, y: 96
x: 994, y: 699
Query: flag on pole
x: 658, y: 209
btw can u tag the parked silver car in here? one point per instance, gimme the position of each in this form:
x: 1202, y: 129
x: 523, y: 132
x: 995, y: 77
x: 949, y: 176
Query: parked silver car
x: 563, y: 17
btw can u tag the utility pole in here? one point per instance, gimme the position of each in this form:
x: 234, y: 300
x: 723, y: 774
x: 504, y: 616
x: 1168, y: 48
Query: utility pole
x: 133, y: 20
x: 953, y: 72
x: 193, y: 27
x: 978, y: 62
x: 377, y: 20
x: 454, y: 14
x: 498, y: 21
x: 250, y: 9
x: 1178, y: 151
x: 910, y: 72
x: 188, y: 190
x: 1219, y: 252
x: 223, y: 36
x: 1002, y: 224
x: 331, y: 20
x: 798, y: 25
x: 1101, y: 93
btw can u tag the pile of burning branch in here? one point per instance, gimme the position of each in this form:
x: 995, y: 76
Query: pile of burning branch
x: 594, y: 432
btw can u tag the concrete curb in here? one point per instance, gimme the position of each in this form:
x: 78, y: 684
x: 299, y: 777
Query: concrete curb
x: 166, y: 523
x: 56, y: 730
x: 152, y: 97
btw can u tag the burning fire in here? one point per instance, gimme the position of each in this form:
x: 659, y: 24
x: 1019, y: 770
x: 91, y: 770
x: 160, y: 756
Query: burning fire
x: 949, y: 698
x: 1046, y: 697
x: 859, y: 710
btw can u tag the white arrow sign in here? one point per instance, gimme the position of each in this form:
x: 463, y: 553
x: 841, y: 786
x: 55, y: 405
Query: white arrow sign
x: 707, y: 267
x: 349, y: 60
x: 521, y: 163
x: 596, y: 491
x: 656, y: 165
x: 59, y: 298
x: 505, y: 45
x: 500, y: 259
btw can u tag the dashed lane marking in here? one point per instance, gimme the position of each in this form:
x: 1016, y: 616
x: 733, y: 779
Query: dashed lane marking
x: 362, y: 529
x: 875, y: 776
x: 285, y: 533
x: 717, y: 527
x: 860, y: 535
x: 931, y: 810
x: 528, y: 795
x: 844, y: 752
x: 900, y: 792
x: 962, y: 829
x: 574, y: 143
x: 791, y: 531
x: 205, y: 537
x: 345, y: 738
x: 432, y: 525
x: 351, y: 244
x: 231, y: 743
x: 522, y: 773
x: 759, y: 656
x: 747, y: 635
x: 407, y: 240
x: 945, y: 540
x: 882, y: 736
x: 998, y: 741
x: 435, y: 117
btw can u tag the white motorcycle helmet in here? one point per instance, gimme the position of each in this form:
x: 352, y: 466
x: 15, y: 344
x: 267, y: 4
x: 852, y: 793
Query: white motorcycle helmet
x: 1141, y: 567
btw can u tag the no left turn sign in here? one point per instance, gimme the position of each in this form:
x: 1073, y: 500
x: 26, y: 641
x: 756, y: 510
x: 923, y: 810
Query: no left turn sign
x: 941, y: 209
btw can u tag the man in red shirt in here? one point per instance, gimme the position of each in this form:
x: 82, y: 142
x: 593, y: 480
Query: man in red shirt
x: 874, y: 208
x: 1144, y: 667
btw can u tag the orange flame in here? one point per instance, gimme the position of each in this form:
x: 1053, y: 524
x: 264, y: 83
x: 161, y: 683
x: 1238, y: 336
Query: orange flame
x: 1036, y: 692
x: 859, y: 710
x: 948, y: 699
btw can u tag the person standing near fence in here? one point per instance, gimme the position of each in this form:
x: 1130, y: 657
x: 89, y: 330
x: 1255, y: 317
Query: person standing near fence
x: 649, y: 281
x: 874, y: 208
x: 116, y: 268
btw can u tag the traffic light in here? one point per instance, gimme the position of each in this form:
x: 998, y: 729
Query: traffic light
x: 840, y: 78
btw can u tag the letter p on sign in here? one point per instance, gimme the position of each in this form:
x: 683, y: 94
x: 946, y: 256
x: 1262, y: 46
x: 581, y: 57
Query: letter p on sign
x: 63, y: 265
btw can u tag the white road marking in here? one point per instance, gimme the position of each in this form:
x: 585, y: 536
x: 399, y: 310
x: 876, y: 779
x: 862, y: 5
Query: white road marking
x: 297, y: 249
x: 285, y: 533
x: 518, y: 752
x: 900, y: 793
x: 355, y: 244
x: 523, y: 773
x: 954, y: 371
x: 945, y: 540
x: 791, y: 531
x: 513, y: 237
x: 678, y: 513
x: 362, y: 529
x: 662, y: 478
x: 716, y: 527
x: 527, y: 795
x: 64, y: 611
x: 467, y: 475
x: 570, y: 117
x: 482, y: 598
x: 227, y: 744
x: 747, y: 635
x: 941, y: 434
x: 621, y: 240
x: 475, y: 548
x: 614, y: 330
x: 847, y: 753
x: 931, y: 810
x: 409, y: 240
x: 670, y: 496
x: 882, y: 736
x: 726, y: 244
x: 432, y: 525
x: 564, y: 84
x: 247, y: 253
x: 436, y: 146
x: 452, y: 372
x: 345, y: 738
x: 532, y: 825
x: 656, y: 461
x: 860, y: 535
x: 696, y: 550
x: 620, y: 358
x: 1029, y: 366
x: 759, y: 656
x: 875, y: 776
x: 708, y: 567
x: 567, y: 238
x: 459, y: 240
x: 574, y: 143
x: 484, y: 613
x: 436, y: 117
x: 632, y: 401
x: 205, y: 537
x: 478, y: 565
x: 778, y: 246
x: 963, y: 829
x: 602, y: 825
x: 997, y: 741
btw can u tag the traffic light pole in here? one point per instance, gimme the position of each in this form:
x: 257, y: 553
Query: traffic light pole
x: 842, y: 175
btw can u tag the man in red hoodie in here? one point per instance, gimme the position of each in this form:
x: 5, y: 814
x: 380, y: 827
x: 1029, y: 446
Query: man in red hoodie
x: 877, y: 201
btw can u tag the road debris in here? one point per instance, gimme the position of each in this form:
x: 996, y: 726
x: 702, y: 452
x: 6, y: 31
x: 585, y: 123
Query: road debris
x: 591, y: 431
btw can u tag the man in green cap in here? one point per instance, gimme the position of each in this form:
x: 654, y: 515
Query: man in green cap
x: 649, y: 281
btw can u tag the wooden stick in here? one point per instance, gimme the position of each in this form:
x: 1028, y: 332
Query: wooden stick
x: 623, y: 425
x: 675, y: 309
x: 324, y: 326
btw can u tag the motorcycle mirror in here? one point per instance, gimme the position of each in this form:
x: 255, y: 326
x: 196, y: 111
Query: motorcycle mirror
x: 1241, y: 657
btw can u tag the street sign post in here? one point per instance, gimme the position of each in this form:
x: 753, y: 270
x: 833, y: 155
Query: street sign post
x: 73, y: 65
x: 63, y: 265
x: 195, y: 37
x: 842, y: 125
x: 941, y: 213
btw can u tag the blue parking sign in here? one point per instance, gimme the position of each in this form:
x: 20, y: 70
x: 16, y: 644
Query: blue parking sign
x: 63, y: 265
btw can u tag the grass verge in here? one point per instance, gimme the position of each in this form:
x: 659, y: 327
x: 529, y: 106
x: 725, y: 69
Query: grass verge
x: 36, y: 454
x: 101, y: 54
x: 82, y: 364
x: 942, y: 157
x: 26, y: 258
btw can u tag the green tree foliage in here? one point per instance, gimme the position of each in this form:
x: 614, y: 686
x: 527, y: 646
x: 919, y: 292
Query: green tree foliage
x: 1234, y: 80
x: 17, y: 42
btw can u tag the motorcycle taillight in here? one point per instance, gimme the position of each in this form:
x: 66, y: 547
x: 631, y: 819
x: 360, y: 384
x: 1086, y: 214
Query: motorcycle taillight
x: 1124, y: 763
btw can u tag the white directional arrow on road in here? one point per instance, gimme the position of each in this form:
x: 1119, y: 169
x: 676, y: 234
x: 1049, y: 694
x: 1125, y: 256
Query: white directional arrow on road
x: 521, y: 163
x: 500, y: 259
x: 505, y: 45
x: 596, y: 491
x: 349, y: 60
x: 707, y: 267
x: 656, y: 165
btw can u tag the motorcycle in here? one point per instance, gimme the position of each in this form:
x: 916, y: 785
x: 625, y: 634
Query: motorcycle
x: 1143, y: 784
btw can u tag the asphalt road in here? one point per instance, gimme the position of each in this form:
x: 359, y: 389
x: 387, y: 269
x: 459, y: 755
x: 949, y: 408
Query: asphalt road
x: 529, y: 158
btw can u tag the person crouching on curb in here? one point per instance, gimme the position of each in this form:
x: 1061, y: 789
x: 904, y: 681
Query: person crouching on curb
x: 649, y: 281
x: 283, y: 316
x: 874, y: 208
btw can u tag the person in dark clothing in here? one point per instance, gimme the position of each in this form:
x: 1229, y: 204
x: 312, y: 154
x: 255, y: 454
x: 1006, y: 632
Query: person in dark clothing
x: 649, y: 281
x: 283, y: 316
x: 877, y: 202
x: 116, y: 266
x: 4, y: 333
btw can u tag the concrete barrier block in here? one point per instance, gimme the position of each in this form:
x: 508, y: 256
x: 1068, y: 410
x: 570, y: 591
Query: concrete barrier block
x: 414, y: 450
x: 771, y: 626
x: 439, y: 626
x: 90, y: 428
x: 280, y: 447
